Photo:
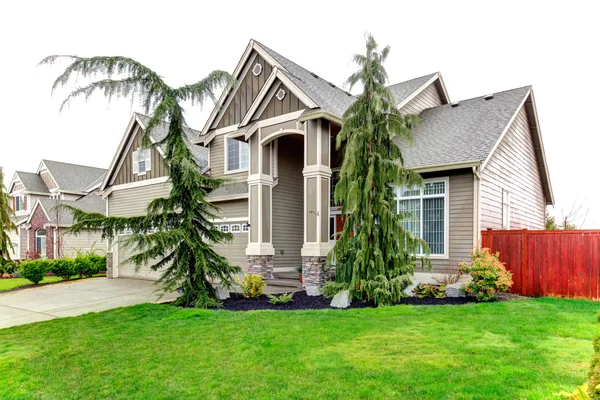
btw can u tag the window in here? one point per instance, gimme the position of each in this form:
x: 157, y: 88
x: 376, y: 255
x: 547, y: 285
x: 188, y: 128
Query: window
x: 224, y: 228
x: 40, y: 242
x: 245, y: 227
x: 141, y: 161
x: 19, y: 202
x: 236, y: 153
x: 236, y: 228
x: 425, y: 212
x: 335, y: 178
x: 505, y: 209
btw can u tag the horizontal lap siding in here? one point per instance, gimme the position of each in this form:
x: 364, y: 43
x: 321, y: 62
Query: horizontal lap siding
x: 133, y: 202
x: 288, y: 203
x: 234, y: 251
x: 23, y: 245
x: 217, y: 160
x: 461, y: 223
x: 513, y: 167
x: 84, y: 242
x: 428, y: 98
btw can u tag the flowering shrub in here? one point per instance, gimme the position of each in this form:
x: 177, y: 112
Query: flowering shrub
x: 252, y: 285
x: 424, y: 290
x: 488, y: 274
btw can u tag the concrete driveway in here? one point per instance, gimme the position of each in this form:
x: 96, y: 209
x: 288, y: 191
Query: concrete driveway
x: 69, y: 299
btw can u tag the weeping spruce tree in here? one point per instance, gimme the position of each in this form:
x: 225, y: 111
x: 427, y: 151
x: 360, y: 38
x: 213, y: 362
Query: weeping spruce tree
x: 176, y: 234
x: 6, y: 226
x: 375, y: 256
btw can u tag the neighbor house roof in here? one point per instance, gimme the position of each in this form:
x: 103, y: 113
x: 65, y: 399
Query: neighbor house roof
x: 32, y: 182
x: 92, y: 203
x: 462, y: 133
x: 73, y: 177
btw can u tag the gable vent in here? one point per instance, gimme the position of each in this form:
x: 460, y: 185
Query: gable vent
x: 488, y: 96
x: 455, y: 104
x: 280, y: 94
x: 331, y: 84
x: 257, y: 69
x: 315, y: 75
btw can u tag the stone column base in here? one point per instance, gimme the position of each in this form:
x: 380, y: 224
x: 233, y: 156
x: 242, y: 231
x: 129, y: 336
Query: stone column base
x: 260, y: 265
x: 314, y: 275
x: 109, y: 265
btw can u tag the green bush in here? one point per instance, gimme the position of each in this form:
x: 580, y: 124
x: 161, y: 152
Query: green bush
x: 424, y: 290
x: 89, y: 265
x: 488, y: 274
x: 63, y: 267
x: 7, y: 267
x: 282, y: 299
x: 252, y: 285
x: 34, y: 270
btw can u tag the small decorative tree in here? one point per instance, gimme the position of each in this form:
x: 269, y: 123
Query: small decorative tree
x: 7, y: 225
x: 180, y: 246
x: 375, y: 256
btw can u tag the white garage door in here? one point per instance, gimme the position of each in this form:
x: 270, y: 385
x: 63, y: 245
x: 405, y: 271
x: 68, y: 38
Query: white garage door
x: 126, y: 270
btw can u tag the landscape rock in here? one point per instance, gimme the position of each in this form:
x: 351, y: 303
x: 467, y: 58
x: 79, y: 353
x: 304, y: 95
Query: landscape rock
x: 455, y: 290
x: 409, y: 290
x: 313, y: 290
x: 222, y: 293
x: 341, y: 300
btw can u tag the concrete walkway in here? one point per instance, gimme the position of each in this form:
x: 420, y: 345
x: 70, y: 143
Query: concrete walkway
x: 69, y: 299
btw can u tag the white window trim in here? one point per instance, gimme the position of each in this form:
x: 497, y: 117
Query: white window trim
x: 245, y: 227
x: 239, y: 228
x: 141, y: 152
x: 446, y: 180
x: 226, y: 169
x: 22, y: 196
x: 225, y: 226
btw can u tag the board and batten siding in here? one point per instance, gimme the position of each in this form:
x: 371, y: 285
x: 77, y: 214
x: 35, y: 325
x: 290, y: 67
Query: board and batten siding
x: 125, y: 172
x: 513, y: 167
x: 288, y: 203
x: 23, y: 241
x: 90, y: 241
x: 234, y: 251
x: 247, y: 92
x: 276, y: 107
x: 217, y: 160
x: 48, y: 180
x: 460, y: 228
x: 428, y: 98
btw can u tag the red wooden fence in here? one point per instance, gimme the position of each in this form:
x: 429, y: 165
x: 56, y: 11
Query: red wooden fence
x: 549, y: 263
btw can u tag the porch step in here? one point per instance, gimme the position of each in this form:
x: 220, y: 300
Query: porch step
x: 293, y: 275
x: 288, y: 283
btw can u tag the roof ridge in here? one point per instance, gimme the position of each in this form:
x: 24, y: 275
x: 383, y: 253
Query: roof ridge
x: 482, y: 96
x: 67, y: 163
x: 413, y: 79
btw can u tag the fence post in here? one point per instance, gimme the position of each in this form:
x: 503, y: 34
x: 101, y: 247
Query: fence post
x: 524, y: 263
x: 484, y: 239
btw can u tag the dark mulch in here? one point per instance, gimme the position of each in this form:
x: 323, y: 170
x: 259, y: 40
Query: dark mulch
x: 304, y: 302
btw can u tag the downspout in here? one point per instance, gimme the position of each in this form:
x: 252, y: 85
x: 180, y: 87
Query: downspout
x: 476, y: 206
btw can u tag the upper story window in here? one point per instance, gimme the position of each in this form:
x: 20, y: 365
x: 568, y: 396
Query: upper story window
x: 236, y: 154
x: 142, y: 161
x: 426, y: 210
x: 335, y: 178
x: 19, y: 203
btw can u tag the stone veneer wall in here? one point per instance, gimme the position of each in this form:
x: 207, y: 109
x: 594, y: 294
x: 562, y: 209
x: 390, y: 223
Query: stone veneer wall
x: 109, y: 265
x: 314, y: 274
x: 260, y: 265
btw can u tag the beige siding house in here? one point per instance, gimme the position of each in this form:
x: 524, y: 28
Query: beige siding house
x: 273, y: 136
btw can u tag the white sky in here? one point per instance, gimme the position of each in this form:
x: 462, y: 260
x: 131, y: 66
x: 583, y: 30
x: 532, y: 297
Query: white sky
x: 479, y: 47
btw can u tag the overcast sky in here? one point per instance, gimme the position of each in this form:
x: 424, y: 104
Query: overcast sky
x: 478, y: 47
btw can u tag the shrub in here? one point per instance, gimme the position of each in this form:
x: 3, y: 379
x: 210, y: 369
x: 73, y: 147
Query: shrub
x: 7, y: 267
x: 34, y: 270
x: 453, y: 276
x: 282, y: 299
x: 488, y: 274
x: 580, y: 393
x: 424, y: 290
x: 252, y: 285
x: 63, y: 267
x: 89, y: 265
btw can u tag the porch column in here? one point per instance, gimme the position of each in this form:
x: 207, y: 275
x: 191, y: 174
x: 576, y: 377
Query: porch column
x: 317, y: 173
x: 260, y: 249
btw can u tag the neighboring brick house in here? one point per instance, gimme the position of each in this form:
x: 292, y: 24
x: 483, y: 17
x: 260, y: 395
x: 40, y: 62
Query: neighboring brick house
x: 40, y: 227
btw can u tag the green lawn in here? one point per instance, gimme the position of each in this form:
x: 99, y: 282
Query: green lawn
x: 7, y: 284
x: 510, y: 350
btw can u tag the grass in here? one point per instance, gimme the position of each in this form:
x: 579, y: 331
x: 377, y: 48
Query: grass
x: 7, y: 284
x: 528, y: 349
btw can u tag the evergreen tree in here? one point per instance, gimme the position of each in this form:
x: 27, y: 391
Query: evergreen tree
x: 375, y: 256
x: 176, y: 235
x: 7, y: 225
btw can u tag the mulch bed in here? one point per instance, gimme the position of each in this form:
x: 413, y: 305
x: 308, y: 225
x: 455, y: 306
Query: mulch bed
x: 304, y: 302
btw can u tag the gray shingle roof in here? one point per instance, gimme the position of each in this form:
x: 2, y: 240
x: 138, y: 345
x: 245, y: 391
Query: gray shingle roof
x: 468, y: 132
x: 200, y: 153
x: 90, y: 203
x: 329, y: 97
x: 73, y: 177
x: 402, y: 90
x: 229, y: 189
x: 32, y: 182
